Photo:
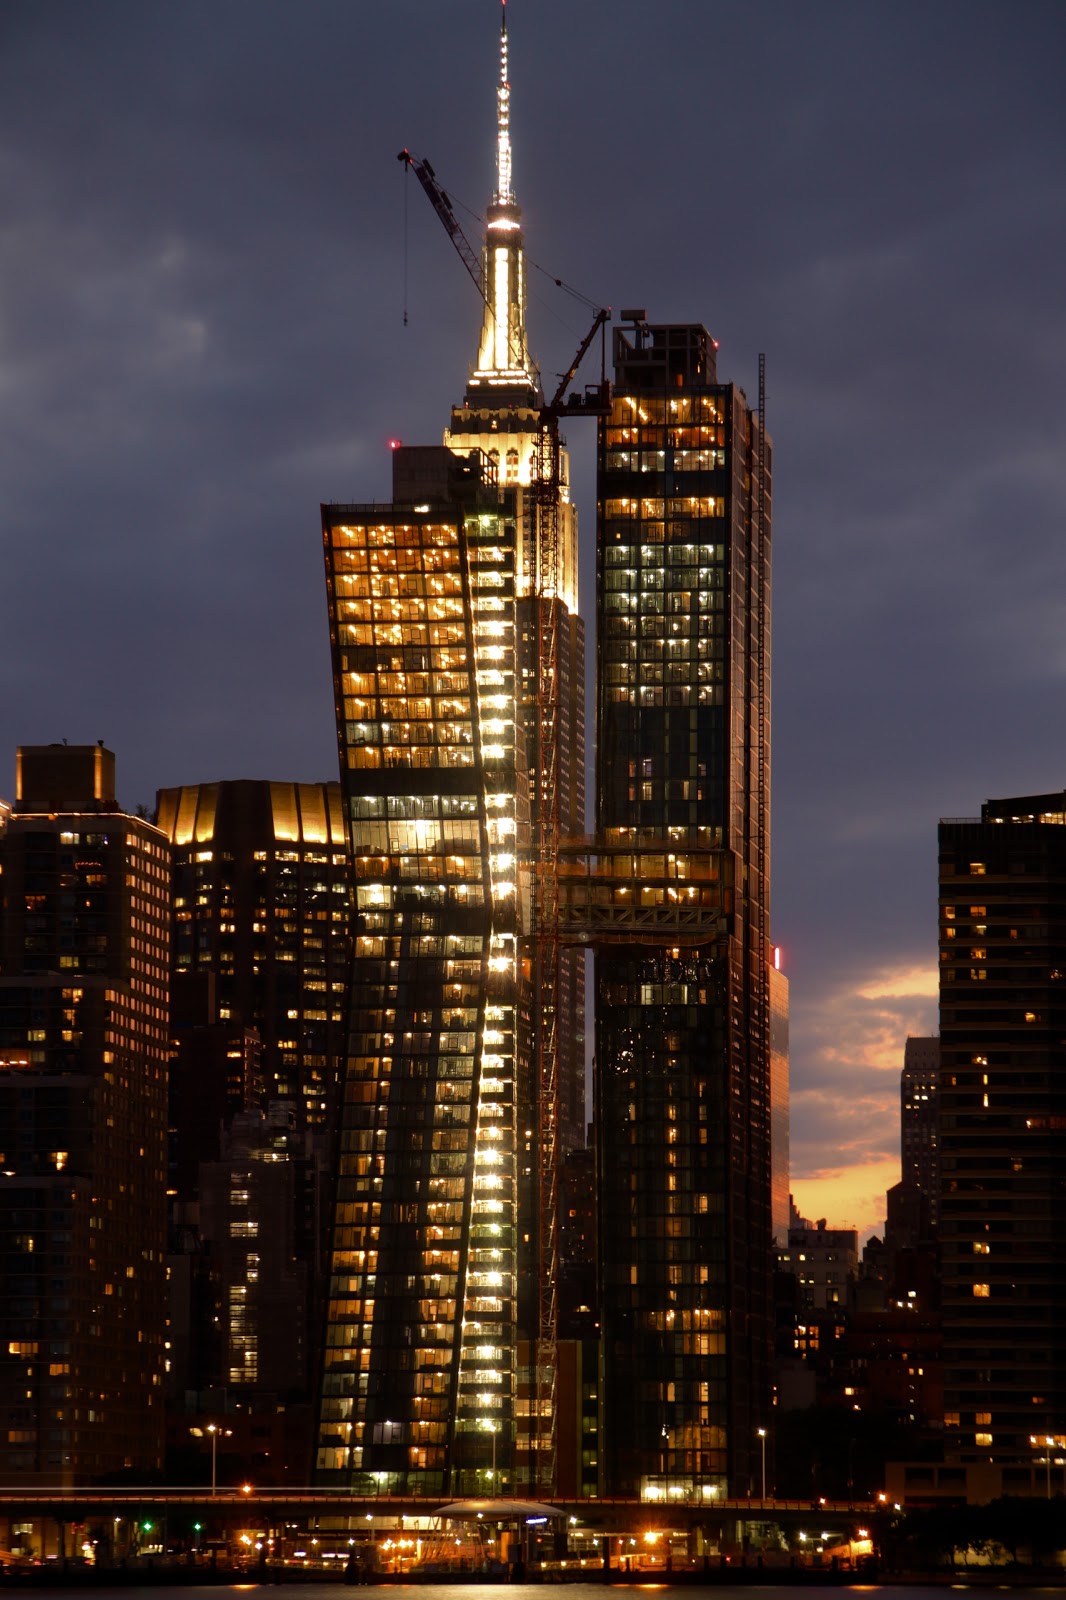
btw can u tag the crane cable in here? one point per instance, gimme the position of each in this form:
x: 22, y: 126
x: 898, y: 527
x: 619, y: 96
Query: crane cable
x: 455, y: 202
x: 406, y: 192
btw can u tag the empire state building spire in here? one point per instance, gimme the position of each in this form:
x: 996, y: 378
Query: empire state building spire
x: 504, y: 373
x: 503, y: 195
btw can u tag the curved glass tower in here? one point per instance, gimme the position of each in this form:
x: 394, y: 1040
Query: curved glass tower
x: 420, y: 1358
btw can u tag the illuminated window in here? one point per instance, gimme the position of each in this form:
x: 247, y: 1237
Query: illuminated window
x: 981, y: 1291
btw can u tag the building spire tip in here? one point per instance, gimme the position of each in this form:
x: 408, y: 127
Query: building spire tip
x: 503, y: 119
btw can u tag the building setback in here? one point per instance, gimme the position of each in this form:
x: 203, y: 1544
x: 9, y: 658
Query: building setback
x: 83, y: 1045
x: 1003, y: 1136
x: 682, y: 1048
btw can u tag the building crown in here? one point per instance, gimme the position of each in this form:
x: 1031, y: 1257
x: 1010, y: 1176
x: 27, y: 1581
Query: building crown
x: 504, y: 372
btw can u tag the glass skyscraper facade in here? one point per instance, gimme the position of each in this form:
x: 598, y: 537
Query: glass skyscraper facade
x: 459, y: 678
x: 682, y: 1095
x: 476, y: 895
x: 420, y: 1365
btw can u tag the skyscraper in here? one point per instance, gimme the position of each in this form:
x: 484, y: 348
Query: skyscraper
x: 420, y: 1364
x: 249, y: 1211
x: 919, y: 1103
x: 261, y: 907
x: 1003, y: 1134
x: 682, y: 1071
x: 83, y: 1045
x: 444, y: 1258
x: 779, y: 1117
x: 501, y: 415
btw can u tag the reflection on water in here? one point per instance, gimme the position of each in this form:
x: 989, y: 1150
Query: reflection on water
x: 554, y: 1591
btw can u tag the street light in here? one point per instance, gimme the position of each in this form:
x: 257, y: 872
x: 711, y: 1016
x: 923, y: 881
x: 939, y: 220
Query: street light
x: 762, y: 1442
x: 214, y: 1430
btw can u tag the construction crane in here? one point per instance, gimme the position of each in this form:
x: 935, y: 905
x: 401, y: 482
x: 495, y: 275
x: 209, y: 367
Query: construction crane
x: 542, y: 728
x: 443, y: 207
x: 595, y: 401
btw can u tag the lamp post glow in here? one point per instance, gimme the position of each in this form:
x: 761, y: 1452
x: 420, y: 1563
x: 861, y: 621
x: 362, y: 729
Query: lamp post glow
x: 762, y: 1442
x: 492, y: 1426
x: 214, y: 1430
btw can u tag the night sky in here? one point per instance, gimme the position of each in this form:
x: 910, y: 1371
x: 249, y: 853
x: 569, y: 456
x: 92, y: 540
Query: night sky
x: 202, y: 290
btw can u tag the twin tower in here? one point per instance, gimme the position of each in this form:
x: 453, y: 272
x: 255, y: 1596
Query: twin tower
x: 458, y: 655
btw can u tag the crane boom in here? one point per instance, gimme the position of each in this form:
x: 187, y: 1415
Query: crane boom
x: 603, y: 316
x: 443, y: 207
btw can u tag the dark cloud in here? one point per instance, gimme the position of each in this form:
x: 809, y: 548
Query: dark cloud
x: 202, y: 285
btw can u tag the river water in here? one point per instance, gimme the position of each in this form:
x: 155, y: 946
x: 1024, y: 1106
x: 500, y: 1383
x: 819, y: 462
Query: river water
x: 554, y: 1591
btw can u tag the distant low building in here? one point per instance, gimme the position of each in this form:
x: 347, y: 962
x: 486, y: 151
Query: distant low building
x: 822, y: 1259
x: 813, y: 1284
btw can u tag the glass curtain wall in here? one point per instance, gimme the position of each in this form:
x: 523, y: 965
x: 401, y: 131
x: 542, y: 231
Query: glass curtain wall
x: 420, y: 1358
x: 682, y: 1048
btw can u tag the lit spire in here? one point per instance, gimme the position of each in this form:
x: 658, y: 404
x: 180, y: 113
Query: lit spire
x: 503, y: 362
x: 504, y: 193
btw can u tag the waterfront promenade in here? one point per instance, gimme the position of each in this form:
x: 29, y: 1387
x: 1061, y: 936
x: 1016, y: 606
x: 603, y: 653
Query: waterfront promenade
x: 322, y: 1531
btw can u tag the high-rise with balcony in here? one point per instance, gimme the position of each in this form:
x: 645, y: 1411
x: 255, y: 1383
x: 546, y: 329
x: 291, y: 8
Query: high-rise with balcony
x: 683, y: 1094
x: 83, y: 1051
